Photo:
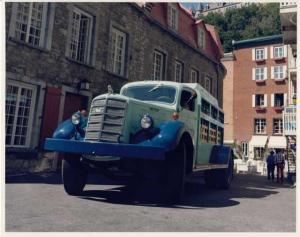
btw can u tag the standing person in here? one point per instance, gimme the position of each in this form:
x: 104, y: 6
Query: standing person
x: 279, y: 160
x: 271, y: 165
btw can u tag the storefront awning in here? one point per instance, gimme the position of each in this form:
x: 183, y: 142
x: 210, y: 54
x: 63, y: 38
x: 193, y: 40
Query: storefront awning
x: 258, y: 141
x: 277, y: 142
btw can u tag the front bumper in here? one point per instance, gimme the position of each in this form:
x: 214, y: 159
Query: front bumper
x: 106, y: 149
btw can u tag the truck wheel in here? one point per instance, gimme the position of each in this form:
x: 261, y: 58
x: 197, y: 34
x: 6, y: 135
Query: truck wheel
x: 174, y: 174
x: 74, y: 175
x: 225, y: 176
x: 210, y: 178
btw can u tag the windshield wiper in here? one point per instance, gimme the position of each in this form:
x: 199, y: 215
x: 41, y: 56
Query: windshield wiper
x: 155, y: 87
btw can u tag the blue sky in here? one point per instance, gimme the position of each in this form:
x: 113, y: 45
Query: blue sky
x: 191, y: 4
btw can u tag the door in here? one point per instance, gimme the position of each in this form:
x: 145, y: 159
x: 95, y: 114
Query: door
x: 74, y: 103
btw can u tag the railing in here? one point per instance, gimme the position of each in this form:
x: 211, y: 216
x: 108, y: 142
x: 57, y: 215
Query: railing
x: 288, y: 4
x: 289, y: 121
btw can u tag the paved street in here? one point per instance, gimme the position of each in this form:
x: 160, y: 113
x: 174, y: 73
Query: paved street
x: 39, y: 203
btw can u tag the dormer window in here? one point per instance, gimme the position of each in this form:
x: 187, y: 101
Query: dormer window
x: 201, y: 38
x: 172, y: 16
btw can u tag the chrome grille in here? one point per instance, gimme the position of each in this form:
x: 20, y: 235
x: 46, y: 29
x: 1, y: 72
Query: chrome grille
x: 106, y: 120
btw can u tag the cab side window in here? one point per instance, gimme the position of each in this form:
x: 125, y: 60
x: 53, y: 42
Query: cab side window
x: 187, y: 100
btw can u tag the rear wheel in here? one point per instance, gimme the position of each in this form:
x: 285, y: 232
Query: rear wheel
x: 74, y: 175
x: 173, y: 178
x: 224, y: 177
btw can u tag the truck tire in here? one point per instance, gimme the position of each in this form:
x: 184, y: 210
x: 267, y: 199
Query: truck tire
x: 74, y: 175
x: 173, y: 182
x: 210, y: 178
x: 224, y: 177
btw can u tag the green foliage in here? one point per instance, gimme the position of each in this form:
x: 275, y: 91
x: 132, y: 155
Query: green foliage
x: 245, y: 23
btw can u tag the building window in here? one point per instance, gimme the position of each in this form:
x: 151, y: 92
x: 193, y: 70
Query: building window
x: 30, y: 23
x: 260, y: 126
x: 259, y: 54
x: 172, y: 17
x: 277, y: 126
x: 278, y: 52
x: 260, y: 74
x: 259, y: 153
x: 158, y: 65
x: 208, y: 84
x: 278, y: 72
x: 194, y: 76
x: 245, y: 149
x: 81, y: 36
x: 178, y: 71
x: 259, y: 100
x: 118, y: 51
x: 278, y: 100
x: 19, y: 108
x: 201, y: 38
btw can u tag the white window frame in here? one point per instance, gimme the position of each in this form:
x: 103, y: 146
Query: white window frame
x: 260, y: 126
x: 278, y: 72
x: 156, y: 68
x: 21, y: 85
x: 87, y: 52
x: 201, y: 38
x: 279, y: 125
x: 259, y: 54
x: 277, y: 50
x: 260, y: 73
x: 13, y: 29
x: 194, y: 76
x: 178, y: 69
x: 172, y: 16
x: 208, y: 83
x: 245, y: 149
x: 114, y: 53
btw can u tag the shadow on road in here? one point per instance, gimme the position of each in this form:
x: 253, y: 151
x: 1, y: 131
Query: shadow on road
x: 133, y: 192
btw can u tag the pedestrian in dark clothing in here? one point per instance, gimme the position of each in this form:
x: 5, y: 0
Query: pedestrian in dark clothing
x: 271, y: 165
x: 279, y: 160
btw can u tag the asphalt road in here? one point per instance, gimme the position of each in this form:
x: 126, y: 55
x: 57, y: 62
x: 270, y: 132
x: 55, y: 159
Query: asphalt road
x: 39, y: 203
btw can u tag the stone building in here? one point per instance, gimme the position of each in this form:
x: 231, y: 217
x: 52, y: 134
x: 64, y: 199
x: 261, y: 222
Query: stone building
x: 258, y: 86
x: 60, y: 55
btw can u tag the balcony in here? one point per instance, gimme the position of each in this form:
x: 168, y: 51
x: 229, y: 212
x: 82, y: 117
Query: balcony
x: 289, y: 120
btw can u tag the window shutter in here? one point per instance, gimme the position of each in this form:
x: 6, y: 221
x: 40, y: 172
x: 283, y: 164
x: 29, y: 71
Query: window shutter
x: 285, y: 99
x: 169, y: 14
x: 266, y: 52
x: 285, y: 51
x: 272, y: 72
x: 284, y: 71
x: 272, y: 100
x: 253, y: 73
x: 265, y: 73
x: 253, y: 54
x: 253, y: 100
x: 271, y: 51
x: 265, y: 100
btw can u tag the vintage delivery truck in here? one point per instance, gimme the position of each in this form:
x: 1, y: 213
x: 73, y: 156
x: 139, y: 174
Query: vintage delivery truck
x: 160, y: 129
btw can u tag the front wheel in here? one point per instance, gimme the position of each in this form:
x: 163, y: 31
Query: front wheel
x: 173, y: 178
x: 74, y: 175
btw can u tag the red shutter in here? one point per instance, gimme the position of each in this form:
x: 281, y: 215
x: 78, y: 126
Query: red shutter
x: 50, y: 113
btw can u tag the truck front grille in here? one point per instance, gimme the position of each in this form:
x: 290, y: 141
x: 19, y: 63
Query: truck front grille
x: 106, y: 120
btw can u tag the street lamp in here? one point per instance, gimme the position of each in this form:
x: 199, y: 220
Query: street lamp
x: 84, y: 85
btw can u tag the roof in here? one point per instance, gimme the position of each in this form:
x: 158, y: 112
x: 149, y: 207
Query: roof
x: 274, y: 39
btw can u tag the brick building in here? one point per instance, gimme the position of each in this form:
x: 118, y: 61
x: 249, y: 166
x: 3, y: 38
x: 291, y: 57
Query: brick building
x: 60, y: 55
x: 258, y: 87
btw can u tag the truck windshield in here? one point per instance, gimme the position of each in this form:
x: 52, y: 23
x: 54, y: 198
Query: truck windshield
x: 157, y: 93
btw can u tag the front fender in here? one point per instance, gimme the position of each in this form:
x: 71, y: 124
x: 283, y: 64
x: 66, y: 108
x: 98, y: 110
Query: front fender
x: 169, y: 135
x: 66, y: 130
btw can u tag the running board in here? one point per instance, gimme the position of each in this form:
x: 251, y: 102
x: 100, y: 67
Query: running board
x: 211, y: 166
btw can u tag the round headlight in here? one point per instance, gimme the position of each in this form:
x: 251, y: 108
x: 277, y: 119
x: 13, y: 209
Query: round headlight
x: 146, y: 122
x: 76, y: 119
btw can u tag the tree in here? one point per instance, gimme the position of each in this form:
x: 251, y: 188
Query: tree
x: 245, y: 23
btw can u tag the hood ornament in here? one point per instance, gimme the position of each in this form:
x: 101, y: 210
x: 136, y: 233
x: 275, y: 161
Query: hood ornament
x: 110, y: 90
